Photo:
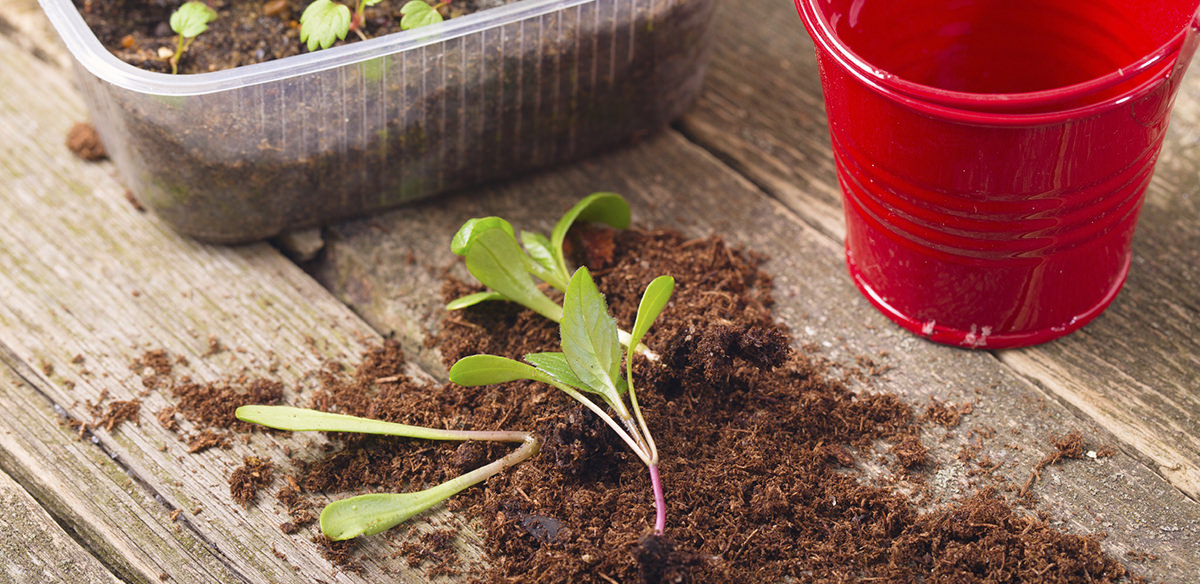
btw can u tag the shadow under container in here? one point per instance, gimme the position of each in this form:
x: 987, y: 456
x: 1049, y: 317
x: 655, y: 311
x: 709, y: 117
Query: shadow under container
x: 987, y: 219
x: 244, y: 154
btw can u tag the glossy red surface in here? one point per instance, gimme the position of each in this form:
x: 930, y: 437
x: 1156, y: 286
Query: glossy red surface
x: 993, y: 154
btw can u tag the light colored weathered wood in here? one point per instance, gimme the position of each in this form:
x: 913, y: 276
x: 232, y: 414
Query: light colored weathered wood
x: 24, y: 24
x: 87, y: 284
x: 35, y: 549
x: 1135, y: 370
x: 671, y: 182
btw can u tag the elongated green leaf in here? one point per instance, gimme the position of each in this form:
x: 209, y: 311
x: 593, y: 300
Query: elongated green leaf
x: 462, y: 239
x: 654, y: 300
x: 608, y: 208
x: 473, y: 299
x: 589, y: 335
x: 494, y: 258
x: 541, y: 260
x: 375, y: 513
x: 371, y: 514
x: 490, y: 369
x: 305, y: 420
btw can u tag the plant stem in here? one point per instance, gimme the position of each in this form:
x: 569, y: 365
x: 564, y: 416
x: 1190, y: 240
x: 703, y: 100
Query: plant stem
x: 180, y: 47
x: 660, y: 501
x: 624, y: 339
x: 633, y: 445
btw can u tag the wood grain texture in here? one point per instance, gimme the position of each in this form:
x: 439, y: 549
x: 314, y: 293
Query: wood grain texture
x: 387, y: 269
x: 1135, y: 370
x: 34, y: 547
x: 88, y: 284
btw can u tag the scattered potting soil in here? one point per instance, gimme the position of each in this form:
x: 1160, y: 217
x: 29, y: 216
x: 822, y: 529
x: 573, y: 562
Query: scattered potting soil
x: 1067, y: 446
x: 246, y: 481
x: 760, y: 452
x: 106, y: 414
x: 209, y: 406
x: 245, y: 32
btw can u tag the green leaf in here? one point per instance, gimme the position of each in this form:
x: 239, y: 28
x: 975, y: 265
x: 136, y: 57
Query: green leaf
x: 305, y: 420
x: 608, y: 208
x: 654, y: 300
x: 371, y: 2
x: 491, y: 369
x: 417, y: 14
x: 494, y: 258
x: 589, y: 335
x: 473, y: 299
x: 555, y: 365
x: 323, y: 23
x: 541, y: 260
x: 462, y: 240
x: 192, y: 18
x: 375, y: 513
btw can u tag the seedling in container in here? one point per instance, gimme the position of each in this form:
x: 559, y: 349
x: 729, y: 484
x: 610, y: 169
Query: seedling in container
x: 418, y: 13
x: 325, y: 22
x: 188, y: 21
x: 378, y: 512
x: 590, y: 362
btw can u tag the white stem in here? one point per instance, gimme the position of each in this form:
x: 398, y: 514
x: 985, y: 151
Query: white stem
x: 625, y: 337
x: 589, y: 404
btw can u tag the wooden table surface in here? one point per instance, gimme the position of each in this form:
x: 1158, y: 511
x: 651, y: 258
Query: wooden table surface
x: 87, y: 284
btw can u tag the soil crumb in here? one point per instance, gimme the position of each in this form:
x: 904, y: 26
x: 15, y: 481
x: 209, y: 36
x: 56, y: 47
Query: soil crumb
x: 84, y: 142
x: 247, y: 480
x: 1069, y: 445
x: 947, y: 415
x: 117, y: 412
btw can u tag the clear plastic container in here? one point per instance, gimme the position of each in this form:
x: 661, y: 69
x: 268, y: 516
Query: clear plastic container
x: 243, y: 154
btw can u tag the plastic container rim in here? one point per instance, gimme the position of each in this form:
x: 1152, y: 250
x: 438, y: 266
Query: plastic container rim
x: 989, y: 107
x: 91, y: 54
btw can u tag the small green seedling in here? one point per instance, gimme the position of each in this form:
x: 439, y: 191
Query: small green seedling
x: 418, y: 13
x: 188, y: 21
x: 590, y: 362
x: 489, y: 246
x: 375, y: 513
x: 324, y: 21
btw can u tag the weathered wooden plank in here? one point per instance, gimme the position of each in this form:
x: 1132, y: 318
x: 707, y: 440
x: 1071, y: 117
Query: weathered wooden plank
x: 24, y: 24
x: 387, y: 269
x: 88, y: 284
x: 1134, y: 370
x: 36, y: 549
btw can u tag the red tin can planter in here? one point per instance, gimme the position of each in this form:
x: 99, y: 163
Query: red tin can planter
x: 993, y: 155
